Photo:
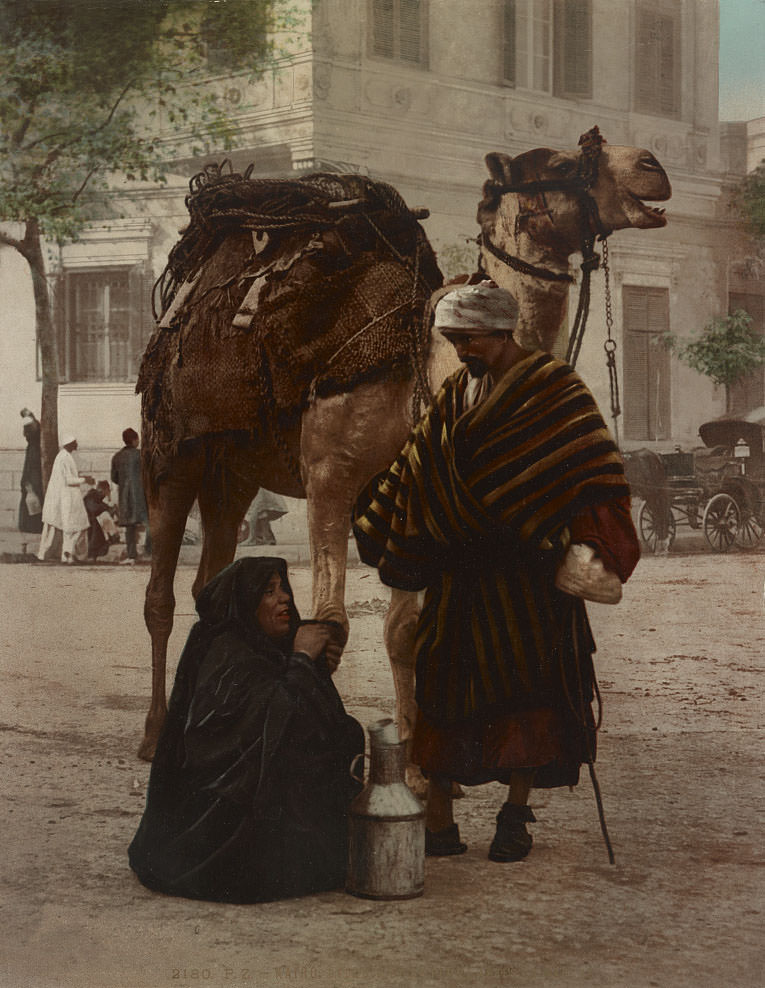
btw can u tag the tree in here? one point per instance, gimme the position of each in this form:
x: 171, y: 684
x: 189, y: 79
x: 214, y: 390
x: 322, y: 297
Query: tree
x: 748, y: 200
x: 84, y: 82
x: 726, y: 351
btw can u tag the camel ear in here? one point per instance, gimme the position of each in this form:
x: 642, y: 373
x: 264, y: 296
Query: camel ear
x: 500, y: 166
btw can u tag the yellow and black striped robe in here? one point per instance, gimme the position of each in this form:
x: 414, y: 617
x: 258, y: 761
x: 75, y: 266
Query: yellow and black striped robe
x: 474, y: 510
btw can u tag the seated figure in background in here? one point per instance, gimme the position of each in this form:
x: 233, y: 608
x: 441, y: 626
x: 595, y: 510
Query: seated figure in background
x: 103, y: 530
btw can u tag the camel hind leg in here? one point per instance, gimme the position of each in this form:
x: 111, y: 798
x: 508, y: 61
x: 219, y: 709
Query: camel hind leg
x: 224, y: 497
x: 169, y: 506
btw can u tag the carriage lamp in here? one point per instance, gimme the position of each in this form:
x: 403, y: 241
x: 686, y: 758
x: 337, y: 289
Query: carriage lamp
x: 741, y: 452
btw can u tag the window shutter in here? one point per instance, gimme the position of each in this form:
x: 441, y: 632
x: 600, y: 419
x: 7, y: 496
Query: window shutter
x: 657, y: 62
x: 647, y: 407
x: 382, y: 28
x: 140, y: 316
x: 573, y: 48
x: 667, y: 88
x: 659, y: 410
x: 409, y: 30
x: 635, y: 364
x: 508, y: 42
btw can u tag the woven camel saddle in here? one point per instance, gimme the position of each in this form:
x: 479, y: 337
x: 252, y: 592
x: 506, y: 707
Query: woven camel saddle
x: 277, y: 291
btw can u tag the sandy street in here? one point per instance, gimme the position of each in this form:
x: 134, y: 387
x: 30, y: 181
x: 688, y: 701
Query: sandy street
x: 680, y: 764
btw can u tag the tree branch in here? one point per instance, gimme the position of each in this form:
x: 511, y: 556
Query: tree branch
x: 9, y: 241
x: 87, y: 178
x: 58, y: 151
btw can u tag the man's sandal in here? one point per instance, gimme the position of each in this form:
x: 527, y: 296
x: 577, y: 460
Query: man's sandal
x: 512, y: 842
x: 443, y: 843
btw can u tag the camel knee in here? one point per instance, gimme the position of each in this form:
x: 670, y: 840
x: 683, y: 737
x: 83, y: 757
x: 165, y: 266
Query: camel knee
x: 158, y: 611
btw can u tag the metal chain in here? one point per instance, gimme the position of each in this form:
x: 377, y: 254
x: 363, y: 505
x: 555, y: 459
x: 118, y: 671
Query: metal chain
x: 610, y: 347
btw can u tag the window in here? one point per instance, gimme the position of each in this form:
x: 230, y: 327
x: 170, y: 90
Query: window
x: 657, y: 59
x: 547, y: 46
x: 102, y: 325
x: 750, y: 392
x: 398, y: 30
x: 646, y: 364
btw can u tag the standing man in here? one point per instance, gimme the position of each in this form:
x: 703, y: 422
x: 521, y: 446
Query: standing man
x: 64, y: 509
x: 126, y: 473
x: 508, y: 505
x: 30, y: 506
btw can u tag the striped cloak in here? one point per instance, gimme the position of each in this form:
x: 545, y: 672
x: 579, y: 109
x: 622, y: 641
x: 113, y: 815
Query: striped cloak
x: 474, y: 510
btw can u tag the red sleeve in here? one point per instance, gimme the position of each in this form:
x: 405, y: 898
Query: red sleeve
x: 609, y: 530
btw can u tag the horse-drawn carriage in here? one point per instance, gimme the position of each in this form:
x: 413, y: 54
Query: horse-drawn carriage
x: 719, y: 489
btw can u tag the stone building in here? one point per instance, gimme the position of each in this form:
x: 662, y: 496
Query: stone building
x: 416, y: 92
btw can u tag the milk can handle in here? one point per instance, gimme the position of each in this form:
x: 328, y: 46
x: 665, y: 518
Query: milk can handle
x: 352, y: 769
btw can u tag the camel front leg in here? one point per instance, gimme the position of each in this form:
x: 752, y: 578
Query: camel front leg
x: 329, y: 522
x: 345, y: 440
x: 168, y: 510
x: 399, y: 629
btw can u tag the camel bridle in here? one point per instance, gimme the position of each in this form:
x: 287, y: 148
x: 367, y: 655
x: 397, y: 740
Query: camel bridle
x: 580, y: 185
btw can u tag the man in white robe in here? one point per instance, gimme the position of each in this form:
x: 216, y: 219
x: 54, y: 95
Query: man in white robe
x: 64, y: 509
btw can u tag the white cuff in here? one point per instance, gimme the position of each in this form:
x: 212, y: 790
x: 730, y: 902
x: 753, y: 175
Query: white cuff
x: 582, y: 574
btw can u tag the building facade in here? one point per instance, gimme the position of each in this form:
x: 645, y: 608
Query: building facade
x: 416, y: 93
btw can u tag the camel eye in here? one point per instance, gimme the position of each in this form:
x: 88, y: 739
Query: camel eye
x: 564, y: 167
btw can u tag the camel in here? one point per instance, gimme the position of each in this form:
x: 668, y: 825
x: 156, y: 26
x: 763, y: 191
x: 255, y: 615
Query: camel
x: 341, y: 437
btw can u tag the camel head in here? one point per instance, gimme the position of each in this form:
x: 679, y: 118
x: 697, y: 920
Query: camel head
x: 542, y: 206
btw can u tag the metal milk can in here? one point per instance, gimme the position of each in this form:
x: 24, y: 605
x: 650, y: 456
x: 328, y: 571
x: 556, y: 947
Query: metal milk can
x: 386, y: 848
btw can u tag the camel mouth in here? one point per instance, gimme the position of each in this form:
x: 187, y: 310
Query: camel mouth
x: 651, y: 216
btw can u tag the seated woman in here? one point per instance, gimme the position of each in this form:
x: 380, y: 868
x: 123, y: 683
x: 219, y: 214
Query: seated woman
x: 250, y: 785
x: 103, y: 529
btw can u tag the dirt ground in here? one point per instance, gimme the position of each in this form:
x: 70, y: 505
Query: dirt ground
x: 680, y: 765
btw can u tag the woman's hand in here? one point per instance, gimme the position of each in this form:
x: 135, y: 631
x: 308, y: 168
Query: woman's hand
x: 332, y: 653
x: 313, y: 639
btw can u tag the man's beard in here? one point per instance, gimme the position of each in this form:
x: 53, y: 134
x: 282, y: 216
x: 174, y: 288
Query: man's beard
x: 475, y: 366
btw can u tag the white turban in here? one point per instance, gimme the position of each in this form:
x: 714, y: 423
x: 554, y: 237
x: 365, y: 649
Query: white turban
x: 485, y: 306
x: 68, y: 439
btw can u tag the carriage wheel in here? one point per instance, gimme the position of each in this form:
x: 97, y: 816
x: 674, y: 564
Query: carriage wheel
x: 722, y: 521
x: 647, y: 527
x: 749, y: 532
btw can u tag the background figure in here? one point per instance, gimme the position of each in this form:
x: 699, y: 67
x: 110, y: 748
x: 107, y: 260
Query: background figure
x: 126, y: 473
x: 64, y: 510
x: 265, y: 508
x: 30, y: 506
x: 102, y: 531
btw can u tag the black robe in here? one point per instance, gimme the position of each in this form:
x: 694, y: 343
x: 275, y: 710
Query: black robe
x: 97, y: 542
x: 31, y: 476
x: 250, y: 785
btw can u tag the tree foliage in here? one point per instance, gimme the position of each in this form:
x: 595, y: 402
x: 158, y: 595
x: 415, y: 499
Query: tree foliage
x: 86, y: 83
x: 748, y: 200
x: 726, y: 351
